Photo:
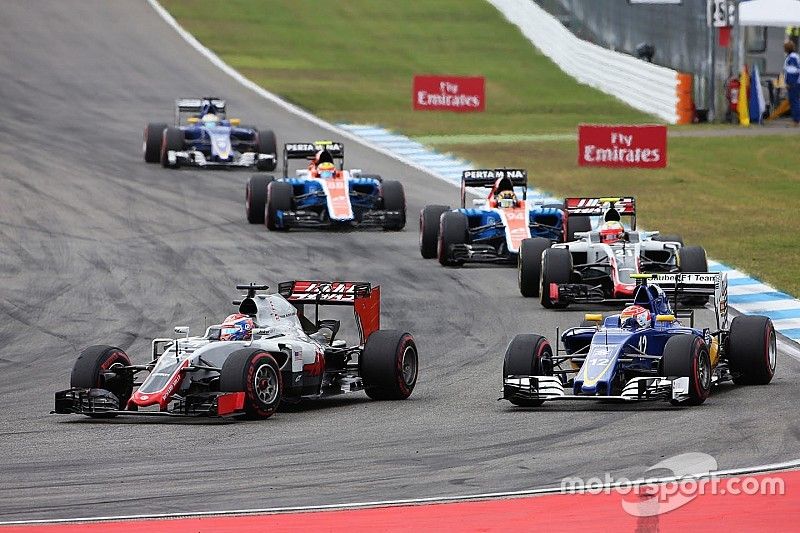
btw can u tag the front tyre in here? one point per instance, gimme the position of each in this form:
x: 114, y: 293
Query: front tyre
x: 752, y: 350
x: 453, y: 230
x: 389, y: 365
x: 394, y: 199
x: 687, y: 356
x: 100, y: 367
x: 171, y: 140
x: 257, y: 374
x: 529, y: 265
x: 556, y: 268
x: 151, y: 145
x: 528, y: 355
x: 280, y: 197
x: 429, y: 229
x: 255, y: 201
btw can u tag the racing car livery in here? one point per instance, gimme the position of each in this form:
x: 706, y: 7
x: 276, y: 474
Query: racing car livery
x: 645, y: 352
x: 323, y: 196
x: 597, y: 268
x: 208, y: 139
x: 492, y: 230
x: 268, y: 352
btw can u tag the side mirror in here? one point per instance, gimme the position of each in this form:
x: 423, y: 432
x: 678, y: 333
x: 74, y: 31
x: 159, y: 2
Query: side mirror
x: 260, y: 331
x: 665, y: 318
x: 235, y: 121
x: 355, y: 172
x: 160, y: 346
x: 192, y: 120
x: 593, y: 317
x: 181, y: 330
x: 339, y: 343
x: 479, y: 202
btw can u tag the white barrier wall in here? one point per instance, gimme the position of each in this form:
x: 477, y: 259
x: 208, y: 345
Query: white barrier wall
x: 642, y: 85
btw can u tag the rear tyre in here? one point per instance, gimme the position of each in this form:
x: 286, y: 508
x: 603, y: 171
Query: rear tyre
x: 529, y: 265
x: 575, y: 224
x: 752, y: 350
x: 255, y: 201
x: 556, y: 268
x: 394, y: 199
x: 669, y: 238
x: 389, y: 365
x: 429, y: 229
x: 267, y: 144
x: 280, y: 196
x: 172, y: 139
x: 453, y: 230
x: 528, y: 355
x: 687, y: 356
x: 151, y: 146
x: 693, y: 259
x: 95, y: 369
x: 257, y: 374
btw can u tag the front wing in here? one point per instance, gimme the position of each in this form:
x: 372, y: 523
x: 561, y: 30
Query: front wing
x: 550, y: 388
x: 102, y: 402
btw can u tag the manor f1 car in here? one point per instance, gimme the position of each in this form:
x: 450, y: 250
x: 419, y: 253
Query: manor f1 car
x: 645, y: 352
x: 491, y: 231
x: 323, y: 196
x: 268, y: 352
x: 597, y: 267
x: 208, y: 139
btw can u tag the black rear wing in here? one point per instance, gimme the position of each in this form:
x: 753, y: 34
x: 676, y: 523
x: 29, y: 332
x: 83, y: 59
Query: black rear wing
x: 309, y: 150
x: 595, y: 207
x: 488, y: 177
x: 714, y: 284
x: 195, y: 105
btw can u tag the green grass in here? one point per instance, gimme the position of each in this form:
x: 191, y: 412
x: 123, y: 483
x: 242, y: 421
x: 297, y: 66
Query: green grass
x: 353, y: 61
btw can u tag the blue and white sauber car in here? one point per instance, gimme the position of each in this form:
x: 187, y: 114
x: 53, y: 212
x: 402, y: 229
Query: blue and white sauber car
x: 323, y: 196
x: 646, y: 352
x: 208, y: 139
x: 492, y: 230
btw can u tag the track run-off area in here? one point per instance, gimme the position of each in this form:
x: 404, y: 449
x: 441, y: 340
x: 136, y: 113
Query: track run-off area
x: 99, y: 247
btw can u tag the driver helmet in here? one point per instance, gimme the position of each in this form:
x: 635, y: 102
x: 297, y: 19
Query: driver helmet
x: 506, y: 199
x: 634, y: 316
x: 237, y: 327
x: 209, y: 119
x: 611, y: 232
x: 326, y: 170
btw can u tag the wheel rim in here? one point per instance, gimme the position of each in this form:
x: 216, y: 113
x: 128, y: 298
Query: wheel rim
x: 266, y: 384
x: 772, y: 353
x: 409, y: 365
x: 704, y: 371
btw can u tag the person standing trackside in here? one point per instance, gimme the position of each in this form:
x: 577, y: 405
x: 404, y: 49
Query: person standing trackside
x: 791, y: 73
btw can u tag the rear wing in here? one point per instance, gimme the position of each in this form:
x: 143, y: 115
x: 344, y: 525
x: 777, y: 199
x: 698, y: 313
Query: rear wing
x: 488, y: 177
x: 309, y: 150
x: 714, y: 284
x: 364, y: 297
x: 595, y: 207
x: 195, y: 105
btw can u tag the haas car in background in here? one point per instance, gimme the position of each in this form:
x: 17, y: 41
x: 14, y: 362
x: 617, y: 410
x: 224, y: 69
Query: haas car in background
x: 597, y: 268
x: 491, y: 231
x: 268, y: 352
x: 208, y: 139
x: 324, y: 195
x: 645, y: 352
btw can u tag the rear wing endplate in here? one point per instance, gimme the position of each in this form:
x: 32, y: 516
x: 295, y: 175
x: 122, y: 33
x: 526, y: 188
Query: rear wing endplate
x: 488, y: 177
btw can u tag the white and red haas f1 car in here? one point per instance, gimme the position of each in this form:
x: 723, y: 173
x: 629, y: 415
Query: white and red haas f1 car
x: 269, y: 352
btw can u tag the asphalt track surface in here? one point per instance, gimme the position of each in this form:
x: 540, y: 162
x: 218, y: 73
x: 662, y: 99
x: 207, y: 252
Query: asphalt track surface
x: 98, y: 247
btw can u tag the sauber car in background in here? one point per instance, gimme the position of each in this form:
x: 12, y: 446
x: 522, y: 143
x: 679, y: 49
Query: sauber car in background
x: 597, y: 267
x: 208, y: 139
x: 491, y: 231
x: 645, y: 352
x: 324, y: 195
x: 275, y: 352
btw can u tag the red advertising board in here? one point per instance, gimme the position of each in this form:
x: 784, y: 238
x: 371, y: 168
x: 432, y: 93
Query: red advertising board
x: 449, y: 93
x: 603, y: 145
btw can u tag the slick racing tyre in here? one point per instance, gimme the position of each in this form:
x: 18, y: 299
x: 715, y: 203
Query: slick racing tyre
x: 389, y: 365
x: 151, y: 146
x: 687, y: 356
x: 576, y: 224
x: 693, y: 259
x: 172, y: 139
x: 280, y: 196
x: 529, y: 265
x: 429, y: 229
x: 752, y: 350
x: 255, y: 201
x: 267, y: 144
x: 257, y: 374
x: 556, y: 268
x: 394, y: 199
x: 528, y: 355
x: 453, y: 230
x: 100, y: 367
